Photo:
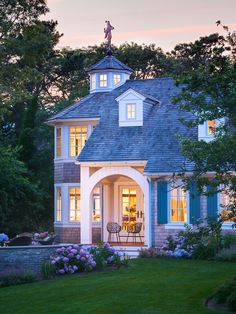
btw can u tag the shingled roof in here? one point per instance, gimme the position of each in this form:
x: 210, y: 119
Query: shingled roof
x: 109, y: 63
x: 155, y: 142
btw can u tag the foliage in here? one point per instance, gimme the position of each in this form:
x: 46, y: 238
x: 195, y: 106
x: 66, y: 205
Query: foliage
x: 227, y: 255
x: 16, y: 278
x: 226, y: 294
x: 148, y: 253
x: 209, y: 93
x: 202, y: 241
x: 47, y: 270
x: 73, y: 259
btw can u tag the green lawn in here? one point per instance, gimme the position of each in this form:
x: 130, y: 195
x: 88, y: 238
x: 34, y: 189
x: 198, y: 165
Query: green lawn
x: 147, y: 286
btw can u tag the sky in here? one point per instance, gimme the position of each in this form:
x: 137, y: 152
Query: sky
x: 163, y: 22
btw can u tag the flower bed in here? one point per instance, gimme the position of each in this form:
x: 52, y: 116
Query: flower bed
x: 75, y: 258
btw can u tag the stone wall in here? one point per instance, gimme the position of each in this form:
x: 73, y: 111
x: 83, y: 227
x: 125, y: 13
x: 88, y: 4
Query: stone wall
x: 72, y: 234
x: 26, y: 257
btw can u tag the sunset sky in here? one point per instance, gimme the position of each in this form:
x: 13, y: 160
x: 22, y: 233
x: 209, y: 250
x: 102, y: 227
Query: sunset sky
x: 165, y: 23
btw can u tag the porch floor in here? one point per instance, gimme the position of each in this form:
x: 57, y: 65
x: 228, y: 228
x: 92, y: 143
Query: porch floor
x: 138, y: 244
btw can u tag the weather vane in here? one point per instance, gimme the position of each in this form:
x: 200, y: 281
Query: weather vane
x: 108, y: 34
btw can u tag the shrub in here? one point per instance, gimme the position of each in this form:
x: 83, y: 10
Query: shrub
x: 227, y: 255
x: 17, y: 278
x: 79, y: 259
x: 148, y: 253
x: 231, y: 300
x: 47, y: 270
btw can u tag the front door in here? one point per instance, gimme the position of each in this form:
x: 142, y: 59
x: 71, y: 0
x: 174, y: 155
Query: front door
x: 131, y: 208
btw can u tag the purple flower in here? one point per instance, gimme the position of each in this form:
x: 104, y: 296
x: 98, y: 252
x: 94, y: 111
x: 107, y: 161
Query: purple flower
x: 53, y: 262
x: 78, y: 256
x: 65, y: 259
x: 83, y: 259
x: 75, y: 246
x: 82, y: 252
x: 75, y: 268
x: 70, y: 255
x: 74, y: 251
x: 61, y: 271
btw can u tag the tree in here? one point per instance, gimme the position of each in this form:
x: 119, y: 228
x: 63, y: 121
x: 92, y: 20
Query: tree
x: 209, y: 92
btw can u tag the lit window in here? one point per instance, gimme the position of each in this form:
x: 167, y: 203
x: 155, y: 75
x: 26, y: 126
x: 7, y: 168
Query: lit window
x: 103, y: 80
x: 225, y: 202
x: 116, y: 79
x: 78, y: 137
x: 93, y: 81
x: 211, y: 127
x: 178, y: 205
x: 74, y: 204
x: 129, y: 212
x: 58, y: 204
x: 131, y: 111
x: 96, y: 205
x: 58, y: 142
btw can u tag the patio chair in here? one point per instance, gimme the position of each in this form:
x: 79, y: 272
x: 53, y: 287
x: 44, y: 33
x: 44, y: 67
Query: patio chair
x: 113, y: 228
x: 20, y: 241
x: 134, y: 231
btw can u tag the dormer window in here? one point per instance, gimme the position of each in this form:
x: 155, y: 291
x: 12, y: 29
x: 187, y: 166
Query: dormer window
x: 131, y: 111
x: 211, y: 127
x: 116, y: 79
x: 103, y: 80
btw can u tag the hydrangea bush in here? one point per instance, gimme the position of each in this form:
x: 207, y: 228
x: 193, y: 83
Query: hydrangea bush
x: 75, y: 258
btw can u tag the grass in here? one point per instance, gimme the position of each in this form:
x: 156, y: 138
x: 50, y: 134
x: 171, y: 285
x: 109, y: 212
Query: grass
x: 148, y: 286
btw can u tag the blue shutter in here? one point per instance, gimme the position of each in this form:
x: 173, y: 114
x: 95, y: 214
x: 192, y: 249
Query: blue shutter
x: 194, y: 204
x: 162, y: 202
x: 212, y: 204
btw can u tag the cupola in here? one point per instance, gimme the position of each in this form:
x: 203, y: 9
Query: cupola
x: 109, y: 73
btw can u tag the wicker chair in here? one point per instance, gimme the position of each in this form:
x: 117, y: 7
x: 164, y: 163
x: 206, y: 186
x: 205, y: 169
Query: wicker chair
x: 134, y: 231
x: 113, y: 228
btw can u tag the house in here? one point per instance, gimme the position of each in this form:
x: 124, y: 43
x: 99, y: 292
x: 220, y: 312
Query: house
x: 116, y: 151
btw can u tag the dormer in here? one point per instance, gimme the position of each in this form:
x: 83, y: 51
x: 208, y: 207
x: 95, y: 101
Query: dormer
x: 133, y: 106
x: 108, y: 74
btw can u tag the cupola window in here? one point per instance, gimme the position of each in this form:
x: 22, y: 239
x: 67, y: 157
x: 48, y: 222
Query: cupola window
x: 116, y: 79
x: 131, y: 111
x: 103, y: 80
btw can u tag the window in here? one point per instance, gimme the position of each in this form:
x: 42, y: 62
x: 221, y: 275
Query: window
x: 93, y: 81
x: 178, y: 205
x: 58, y: 204
x: 78, y: 137
x: 116, y: 79
x: 58, y: 142
x: 96, y: 217
x: 74, y: 204
x: 103, y: 80
x: 225, y: 201
x: 211, y: 127
x: 131, y: 111
x: 128, y: 201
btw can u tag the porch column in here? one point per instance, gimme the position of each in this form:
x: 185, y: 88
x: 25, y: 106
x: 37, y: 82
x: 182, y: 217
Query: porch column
x: 85, y: 212
x: 147, y: 211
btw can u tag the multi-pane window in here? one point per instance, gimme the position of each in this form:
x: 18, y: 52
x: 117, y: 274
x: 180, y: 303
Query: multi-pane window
x: 211, y: 127
x: 96, y: 216
x: 131, y: 111
x: 74, y: 204
x: 178, y: 205
x: 103, y: 80
x: 78, y: 137
x: 93, y: 81
x: 116, y: 79
x: 58, y: 142
x: 58, y: 204
x: 226, y: 200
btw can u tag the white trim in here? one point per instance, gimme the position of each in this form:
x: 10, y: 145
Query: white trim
x: 175, y: 225
x: 132, y: 163
x: 130, y: 91
x: 65, y: 121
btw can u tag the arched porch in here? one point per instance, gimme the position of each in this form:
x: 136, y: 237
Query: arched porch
x: 125, y: 200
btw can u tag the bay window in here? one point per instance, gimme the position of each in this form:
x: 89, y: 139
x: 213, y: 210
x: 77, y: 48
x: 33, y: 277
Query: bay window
x: 58, y: 142
x: 58, y: 204
x: 78, y: 137
x: 74, y: 202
